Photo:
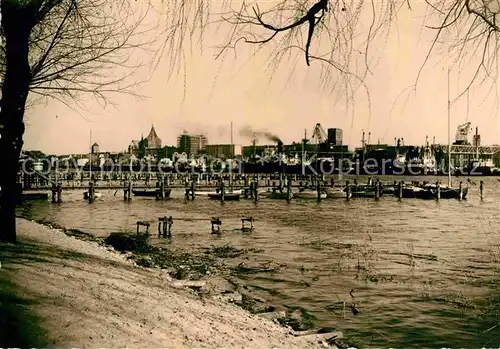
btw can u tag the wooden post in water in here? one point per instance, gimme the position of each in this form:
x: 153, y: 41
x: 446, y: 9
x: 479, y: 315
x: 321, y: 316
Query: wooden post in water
x: 91, y: 192
x: 59, y: 193
x: 192, y: 191
x: 347, y: 191
x: 481, y: 187
x: 255, y: 192
x: 460, y: 191
x: 318, y: 190
x: 54, y: 193
x: 129, y: 191
x: 377, y: 188
x: 438, y: 191
x: 289, y: 189
x: 222, y: 191
x: 400, y: 190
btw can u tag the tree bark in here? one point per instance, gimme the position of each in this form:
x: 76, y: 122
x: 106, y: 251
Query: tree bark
x: 17, y: 25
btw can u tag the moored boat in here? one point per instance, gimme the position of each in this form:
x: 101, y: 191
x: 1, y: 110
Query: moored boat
x: 447, y: 192
x: 274, y: 194
x: 227, y: 196
x: 150, y: 192
x: 334, y: 193
x: 97, y: 195
x: 309, y: 194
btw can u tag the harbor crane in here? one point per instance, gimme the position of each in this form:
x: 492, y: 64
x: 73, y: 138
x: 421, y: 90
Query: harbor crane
x: 462, y: 134
x: 319, y: 134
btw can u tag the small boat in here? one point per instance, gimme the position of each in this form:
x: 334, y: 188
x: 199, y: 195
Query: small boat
x: 309, y: 194
x: 150, y: 192
x: 274, y: 194
x: 34, y: 196
x: 217, y: 191
x: 336, y: 194
x: 388, y: 190
x: 97, y: 195
x: 363, y: 194
x: 446, y: 192
x: 415, y: 192
x: 227, y: 196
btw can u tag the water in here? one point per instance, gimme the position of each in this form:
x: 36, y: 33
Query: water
x: 424, y: 273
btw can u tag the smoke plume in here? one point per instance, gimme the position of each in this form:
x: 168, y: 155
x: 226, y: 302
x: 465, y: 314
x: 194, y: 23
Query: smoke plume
x: 248, y: 132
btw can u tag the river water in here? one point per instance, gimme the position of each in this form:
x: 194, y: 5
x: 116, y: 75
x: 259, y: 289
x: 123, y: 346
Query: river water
x: 424, y: 273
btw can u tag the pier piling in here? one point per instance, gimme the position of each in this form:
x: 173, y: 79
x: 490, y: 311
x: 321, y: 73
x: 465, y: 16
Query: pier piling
x: 348, y: 191
x: 377, y: 189
x: 216, y: 223
x: 222, y: 193
x: 438, y: 191
x: 165, y: 226
x: 255, y: 192
x: 247, y: 219
x: 91, y: 192
x: 289, y: 189
x: 142, y: 224
x: 318, y: 190
x: 481, y: 187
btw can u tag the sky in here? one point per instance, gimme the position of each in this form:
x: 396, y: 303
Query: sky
x: 208, y: 94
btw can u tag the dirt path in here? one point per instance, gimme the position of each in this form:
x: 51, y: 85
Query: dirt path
x: 58, y: 291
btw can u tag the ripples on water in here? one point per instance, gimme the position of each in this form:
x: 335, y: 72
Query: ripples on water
x: 424, y: 273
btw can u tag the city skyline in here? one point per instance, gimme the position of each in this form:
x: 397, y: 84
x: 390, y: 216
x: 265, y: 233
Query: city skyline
x: 212, y: 94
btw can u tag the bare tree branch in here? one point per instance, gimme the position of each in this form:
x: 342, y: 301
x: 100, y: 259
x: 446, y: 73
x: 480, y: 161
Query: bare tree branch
x: 76, y: 47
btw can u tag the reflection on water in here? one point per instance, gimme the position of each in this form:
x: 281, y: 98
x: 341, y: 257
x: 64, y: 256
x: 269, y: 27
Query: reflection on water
x: 424, y: 273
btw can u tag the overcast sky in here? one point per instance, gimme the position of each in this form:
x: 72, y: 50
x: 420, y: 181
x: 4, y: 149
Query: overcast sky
x: 212, y: 93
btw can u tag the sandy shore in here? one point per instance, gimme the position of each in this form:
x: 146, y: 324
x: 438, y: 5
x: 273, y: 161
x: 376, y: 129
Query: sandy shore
x: 58, y: 291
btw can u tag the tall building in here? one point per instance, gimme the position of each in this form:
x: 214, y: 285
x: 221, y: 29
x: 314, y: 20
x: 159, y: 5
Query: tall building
x: 191, y: 144
x: 154, y: 142
x: 335, y: 136
x: 223, y: 150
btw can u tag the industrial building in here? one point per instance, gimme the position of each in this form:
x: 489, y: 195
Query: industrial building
x: 191, y: 144
x: 222, y: 150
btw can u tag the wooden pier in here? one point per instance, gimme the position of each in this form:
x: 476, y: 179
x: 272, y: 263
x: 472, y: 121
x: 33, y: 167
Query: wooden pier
x: 247, y: 186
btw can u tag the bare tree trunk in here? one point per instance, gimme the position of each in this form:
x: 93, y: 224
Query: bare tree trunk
x: 17, y: 25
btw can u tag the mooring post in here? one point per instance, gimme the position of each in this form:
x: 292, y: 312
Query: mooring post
x: 216, y: 223
x: 192, y: 191
x: 347, y: 191
x: 251, y: 190
x: 161, y: 226
x: 54, y: 193
x: 438, y: 191
x: 59, y: 193
x: 255, y: 191
x: 129, y: 191
x: 460, y: 191
x: 400, y: 190
x: 170, y: 222
x: 162, y: 187
x: 377, y: 189
x: 222, y: 191
x: 289, y: 189
x: 91, y: 192
x: 243, y: 220
x: 481, y: 187
x: 318, y: 190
